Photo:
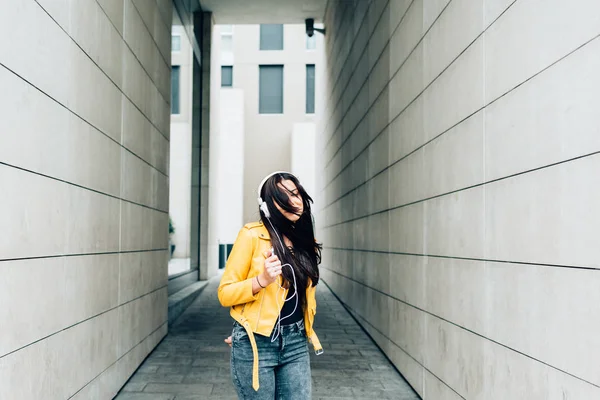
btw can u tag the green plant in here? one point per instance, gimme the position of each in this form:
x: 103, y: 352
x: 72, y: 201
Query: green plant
x: 171, y: 227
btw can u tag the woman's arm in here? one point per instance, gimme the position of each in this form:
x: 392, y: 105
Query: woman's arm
x: 235, y: 287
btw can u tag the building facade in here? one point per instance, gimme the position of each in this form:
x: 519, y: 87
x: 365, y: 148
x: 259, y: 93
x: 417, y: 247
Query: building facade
x: 269, y: 106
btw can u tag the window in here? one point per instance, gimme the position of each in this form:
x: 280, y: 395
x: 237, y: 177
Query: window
x: 175, y: 89
x: 310, y: 89
x: 311, y: 42
x: 270, y: 97
x: 175, y: 43
x: 271, y: 37
x: 227, y: 43
x: 226, y: 76
x: 227, y: 57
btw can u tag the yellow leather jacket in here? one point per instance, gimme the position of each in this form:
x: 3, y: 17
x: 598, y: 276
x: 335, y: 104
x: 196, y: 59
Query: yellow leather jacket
x: 258, y: 313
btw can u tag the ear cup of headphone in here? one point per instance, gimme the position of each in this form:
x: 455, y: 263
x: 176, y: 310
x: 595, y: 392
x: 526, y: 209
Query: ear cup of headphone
x: 265, y: 209
x: 262, y: 204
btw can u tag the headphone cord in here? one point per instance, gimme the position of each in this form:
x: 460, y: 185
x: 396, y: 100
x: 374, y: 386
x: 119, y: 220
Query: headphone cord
x: 277, y: 328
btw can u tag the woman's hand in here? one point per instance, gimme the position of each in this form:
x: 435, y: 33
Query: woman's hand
x: 228, y: 341
x: 272, y: 269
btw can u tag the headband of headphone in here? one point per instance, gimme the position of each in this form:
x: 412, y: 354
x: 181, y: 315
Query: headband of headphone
x: 261, y: 202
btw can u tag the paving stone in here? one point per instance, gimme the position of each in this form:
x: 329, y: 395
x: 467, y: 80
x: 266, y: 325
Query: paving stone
x: 344, y: 340
x: 175, y: 369
x: 347, y: 382
x: 337, y: 398
x: 223, y: 389
x: 196, y: 388
x: 157, y: 378
x: 384, y: 376
x: 180, y: 360
x: 331, y: 365
x: 331, y: 389
x: 367, y: 352
x: 351, y: 331
x: 343, y: 346
x: 145, y: 396
x: 207, y: 362
x: 201, y: 377
x: 371, y: 393
x: 204, y: 397
x: 206, y: 372
x: 213, y: 355
x: 145, y: 368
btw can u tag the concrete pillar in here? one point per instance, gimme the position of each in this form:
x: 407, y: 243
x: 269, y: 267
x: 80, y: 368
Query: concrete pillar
x: 201, y: 144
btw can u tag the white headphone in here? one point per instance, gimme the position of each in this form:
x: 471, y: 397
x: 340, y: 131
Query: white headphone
x: 261, y: 203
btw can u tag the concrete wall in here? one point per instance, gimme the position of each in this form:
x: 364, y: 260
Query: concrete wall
x: 84, y: 149
x: 180, y: 190
x: 460, y: 159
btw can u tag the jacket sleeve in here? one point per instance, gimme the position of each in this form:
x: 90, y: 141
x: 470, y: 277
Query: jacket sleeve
x: 235, y: 287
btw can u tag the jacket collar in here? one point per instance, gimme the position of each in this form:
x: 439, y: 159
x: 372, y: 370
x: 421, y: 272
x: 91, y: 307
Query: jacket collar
x: 263, y: 233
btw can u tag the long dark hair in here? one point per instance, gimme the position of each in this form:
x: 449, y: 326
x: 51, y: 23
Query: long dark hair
x: 305, y: 255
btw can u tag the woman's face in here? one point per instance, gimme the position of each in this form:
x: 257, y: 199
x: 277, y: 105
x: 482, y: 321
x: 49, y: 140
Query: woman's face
x: 295, y: 200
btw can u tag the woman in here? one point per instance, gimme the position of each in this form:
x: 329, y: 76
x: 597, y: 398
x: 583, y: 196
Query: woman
x: 269, y: 282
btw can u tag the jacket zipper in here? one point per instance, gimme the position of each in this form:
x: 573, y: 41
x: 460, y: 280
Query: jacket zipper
x: 259, y: 310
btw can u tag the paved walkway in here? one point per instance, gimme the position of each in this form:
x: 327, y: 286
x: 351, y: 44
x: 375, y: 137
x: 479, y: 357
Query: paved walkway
x: 192, y: 362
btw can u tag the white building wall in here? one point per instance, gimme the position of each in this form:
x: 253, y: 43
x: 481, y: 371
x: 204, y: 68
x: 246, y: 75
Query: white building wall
x: 268, y: 142
x: 268, y: 137
x: 84, y: 144
x: 180, y: 190
x: 460, y: 148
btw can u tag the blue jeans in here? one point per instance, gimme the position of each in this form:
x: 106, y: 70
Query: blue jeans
x: 284, y: 365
